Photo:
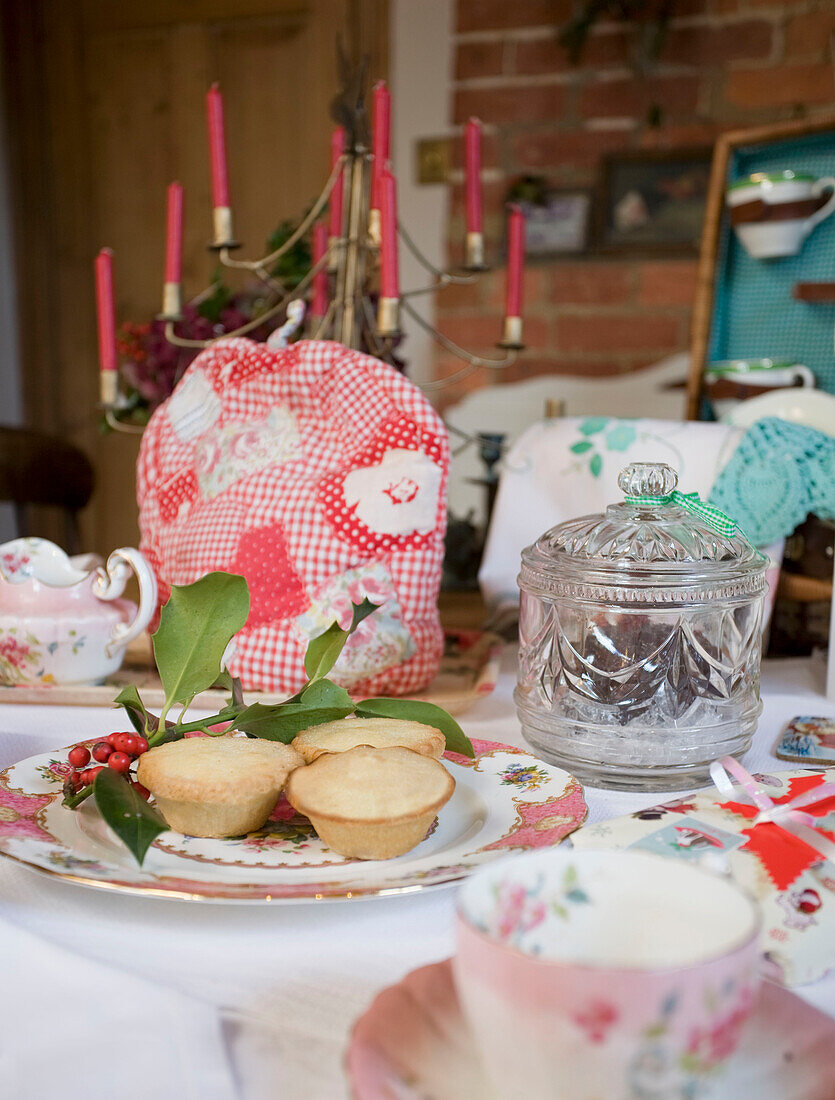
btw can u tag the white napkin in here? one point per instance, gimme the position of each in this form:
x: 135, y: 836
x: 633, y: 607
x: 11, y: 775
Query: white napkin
x: 74, y: 1028
x: 564, y: 468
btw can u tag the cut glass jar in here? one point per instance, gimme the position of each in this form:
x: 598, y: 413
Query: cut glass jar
x: 640, y: 639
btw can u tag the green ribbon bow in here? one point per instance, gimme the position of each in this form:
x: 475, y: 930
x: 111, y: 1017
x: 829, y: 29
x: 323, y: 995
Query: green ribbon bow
x: 715, y: 519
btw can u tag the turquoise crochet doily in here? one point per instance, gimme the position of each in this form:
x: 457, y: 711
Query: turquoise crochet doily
x: 778, y: 475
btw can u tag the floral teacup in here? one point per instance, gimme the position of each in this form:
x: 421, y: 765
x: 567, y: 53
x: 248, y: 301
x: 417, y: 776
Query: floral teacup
x: 610, y: 974
x: 61, y: 618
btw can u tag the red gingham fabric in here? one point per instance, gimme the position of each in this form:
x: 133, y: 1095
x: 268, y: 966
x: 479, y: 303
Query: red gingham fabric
x: 319, y: 473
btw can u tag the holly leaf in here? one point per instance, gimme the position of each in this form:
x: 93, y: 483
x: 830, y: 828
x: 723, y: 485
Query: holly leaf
x: 130, y: 817
x: 233, y: 683
x: 426, y: 713
x: 283, y: 721
x: 323, y: 651
x: 139, y: 717
x: 325, y: 693
x: 196, y: 625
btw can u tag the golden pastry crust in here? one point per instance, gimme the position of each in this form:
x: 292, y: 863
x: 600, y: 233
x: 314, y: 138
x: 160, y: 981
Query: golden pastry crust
x: 378, y: 733
x: 369, y: 803
x: 216, y: 787
x: 216, y: 769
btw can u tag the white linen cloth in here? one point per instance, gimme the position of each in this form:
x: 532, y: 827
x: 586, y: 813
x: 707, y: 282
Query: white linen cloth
x: 569, y: 467
x: 76, y: 1028
x: 287, y: 980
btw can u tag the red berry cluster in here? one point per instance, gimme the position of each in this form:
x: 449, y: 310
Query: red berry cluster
x: 118, y: 751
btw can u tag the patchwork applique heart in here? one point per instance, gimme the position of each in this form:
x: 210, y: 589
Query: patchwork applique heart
x: 387, y: 497
x: 275, y: 589
x: 180, y: 490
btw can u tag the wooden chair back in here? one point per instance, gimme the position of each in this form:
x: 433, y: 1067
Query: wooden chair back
x: 38, y: 469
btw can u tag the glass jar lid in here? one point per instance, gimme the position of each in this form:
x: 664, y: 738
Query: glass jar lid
x: 657, y: 544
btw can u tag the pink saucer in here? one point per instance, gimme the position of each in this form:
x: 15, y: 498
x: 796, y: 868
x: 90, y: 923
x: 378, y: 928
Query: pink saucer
x: 413, y: 1043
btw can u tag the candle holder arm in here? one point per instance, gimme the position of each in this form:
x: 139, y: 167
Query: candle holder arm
x: 448, y: 278
x: 301, y: 229
x: 256, y: 322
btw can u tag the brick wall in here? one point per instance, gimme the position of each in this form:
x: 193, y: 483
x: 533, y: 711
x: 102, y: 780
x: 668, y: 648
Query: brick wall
x: 725, y: 64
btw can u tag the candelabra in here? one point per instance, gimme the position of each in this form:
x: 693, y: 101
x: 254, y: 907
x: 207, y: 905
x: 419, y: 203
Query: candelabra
x: 356, y: 256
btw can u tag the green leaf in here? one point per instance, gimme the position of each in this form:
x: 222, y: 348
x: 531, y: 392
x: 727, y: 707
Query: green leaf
x: 581, y: 447
x: 139, y: 717
x: 362, y: 611
x: 130, y: 817
x: 233, y: 683
x: 593, y: 424
x: 596, y: 465
x: 325, y: 693
x: 196, y: 625
x: 323, y: 651
x: 428, y: 714
x: 283, y: 721
x: 577, y: 895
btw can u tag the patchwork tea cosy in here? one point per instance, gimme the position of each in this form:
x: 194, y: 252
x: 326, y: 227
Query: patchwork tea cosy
x: 318, y: 473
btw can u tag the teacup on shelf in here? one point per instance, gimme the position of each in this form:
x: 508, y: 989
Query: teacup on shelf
x: 609, y: 974
x: 774, y: 212
x: 728, y: 381
x: 62, y: 619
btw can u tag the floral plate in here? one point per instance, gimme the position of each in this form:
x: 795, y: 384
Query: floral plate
x: 414, y: 1042
x: 504, y: 799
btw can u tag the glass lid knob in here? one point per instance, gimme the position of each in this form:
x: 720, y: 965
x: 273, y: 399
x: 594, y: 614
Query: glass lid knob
x: 647, y: 479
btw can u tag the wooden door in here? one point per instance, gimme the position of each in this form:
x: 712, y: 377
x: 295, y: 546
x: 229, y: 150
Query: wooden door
x: 105, y: 103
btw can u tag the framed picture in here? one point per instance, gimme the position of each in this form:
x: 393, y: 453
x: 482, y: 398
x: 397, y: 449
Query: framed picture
x: 556, y: 220
x: 654, y: 201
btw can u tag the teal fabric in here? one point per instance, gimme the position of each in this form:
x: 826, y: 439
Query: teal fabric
x: 754, y: 311
x: 778, y: 475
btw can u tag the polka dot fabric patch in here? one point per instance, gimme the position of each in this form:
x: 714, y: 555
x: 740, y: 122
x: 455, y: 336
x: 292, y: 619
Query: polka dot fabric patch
x: 364, y: 483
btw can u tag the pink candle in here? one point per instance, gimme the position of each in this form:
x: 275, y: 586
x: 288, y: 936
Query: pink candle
x: 217, y: 147
x: 174, y: 234
x: 337, y: 149
x: 105, y: 310
x: 319, y: 306
x: 380, y: 140
x: 515, y: 260
x: 389, y: 277
x: 472, y: 165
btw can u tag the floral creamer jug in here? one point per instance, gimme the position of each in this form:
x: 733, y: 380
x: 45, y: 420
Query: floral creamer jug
x: 62, y: 619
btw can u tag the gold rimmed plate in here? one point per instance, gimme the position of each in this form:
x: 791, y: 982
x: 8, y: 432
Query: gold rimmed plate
x: 504, y: 800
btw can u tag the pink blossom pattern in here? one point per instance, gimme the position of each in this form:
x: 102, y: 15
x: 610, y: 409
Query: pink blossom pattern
x: 519, y: 908
x: 713, y: 1044
x: 56, y: 771
x: 12, y: 562
x: 237, y: 450
x: 596, y: 1020
x: 18, y: 659
x: 515, y: 912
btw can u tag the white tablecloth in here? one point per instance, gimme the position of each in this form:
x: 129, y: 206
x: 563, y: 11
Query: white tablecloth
x: 286, y: 982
